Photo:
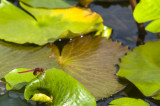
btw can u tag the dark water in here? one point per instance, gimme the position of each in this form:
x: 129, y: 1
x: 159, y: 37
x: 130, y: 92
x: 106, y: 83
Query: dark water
x: 119, y: 17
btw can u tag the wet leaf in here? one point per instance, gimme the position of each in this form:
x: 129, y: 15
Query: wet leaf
x: 51, y: 3
x: 59, y: 87
x: 142, y: 68
x: 16, y: 81
x: 14, y: 56
x: 48, y: 24
x: 125, y: 101
x: 91, y: 61
x: 105, y: 32
x: 148, y: 10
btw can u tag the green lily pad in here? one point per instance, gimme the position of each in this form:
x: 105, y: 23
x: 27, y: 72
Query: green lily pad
x: 16, y: 81
x: 125, y: 101
x: 51, y: 3
x: 58, y: 88
x: 142, y: 68
x: 91, y: 61
x: 47, y: 26
x: 148, y: 10
x: 14, y: 56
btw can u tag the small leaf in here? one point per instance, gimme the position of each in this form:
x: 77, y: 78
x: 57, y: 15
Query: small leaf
x: 15, y: 80
x: 148, y: 10
x: 59, y: 86
x: 51, y: 3
x: 92, y: 60
x: 48, y: 25
x: 142, y: 68
x: 41, y: 97
x: 154, y: 26
x: 125, y: 101
x: 105, y: 32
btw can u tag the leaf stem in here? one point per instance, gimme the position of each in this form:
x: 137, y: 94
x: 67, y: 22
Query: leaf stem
x: 141, y: 30
x: 37, y: 104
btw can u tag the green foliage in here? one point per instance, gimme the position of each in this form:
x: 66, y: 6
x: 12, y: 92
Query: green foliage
x: 125, y: 101
x: 51, y: 3
x: 80, y: 58
x: 91, y: 60
x: 15, y: 80
x: 48, y: 25
x: 148, y: 10
x: 58, y: 88
x: 142, y: 68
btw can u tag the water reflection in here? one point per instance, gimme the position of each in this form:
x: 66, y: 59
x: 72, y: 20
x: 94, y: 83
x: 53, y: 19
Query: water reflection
x: 119, y: 17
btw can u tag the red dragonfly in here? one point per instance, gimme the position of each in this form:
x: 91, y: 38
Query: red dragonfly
x: 35, y: 71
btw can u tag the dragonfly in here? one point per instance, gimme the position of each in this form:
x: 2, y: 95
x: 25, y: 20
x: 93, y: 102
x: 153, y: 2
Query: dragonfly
x: 35, y: 71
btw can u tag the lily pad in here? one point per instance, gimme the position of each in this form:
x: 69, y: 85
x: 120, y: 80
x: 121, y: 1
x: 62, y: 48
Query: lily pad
x: 148, y: 10
x: 91, y: 61
x: 47, y: 26
x: 126, y: 101
x: 58, y: 88
x: 142, y: 68
x: 51, y: 3
x: 14, y: 56
x: 16, y: 81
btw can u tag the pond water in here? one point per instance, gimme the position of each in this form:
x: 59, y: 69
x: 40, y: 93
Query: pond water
x: 119, y: 17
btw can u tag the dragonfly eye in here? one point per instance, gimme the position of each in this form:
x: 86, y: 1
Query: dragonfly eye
x: 38, y: 70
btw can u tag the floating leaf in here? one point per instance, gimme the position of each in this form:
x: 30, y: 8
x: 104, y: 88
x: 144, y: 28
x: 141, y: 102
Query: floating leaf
x: 15, y: 80
x: 59, y: 87
x: 148, y: 10
x: 17, y: 56
x: 125, y: 101
x: 142, y: 68
x: 48, y: 24
x: 105, y: 32
x: 51, y: 3
x: 91, y: 60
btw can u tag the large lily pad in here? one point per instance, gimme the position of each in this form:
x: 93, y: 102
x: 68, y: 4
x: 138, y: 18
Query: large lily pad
x: 92, y: 60
x: 148, y: 10
x: 58, y: 88
x: 126, y: 101
x: 17, y: 56
x: 142, y: 68
x: 47, y: 26
x: 51, y: 3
